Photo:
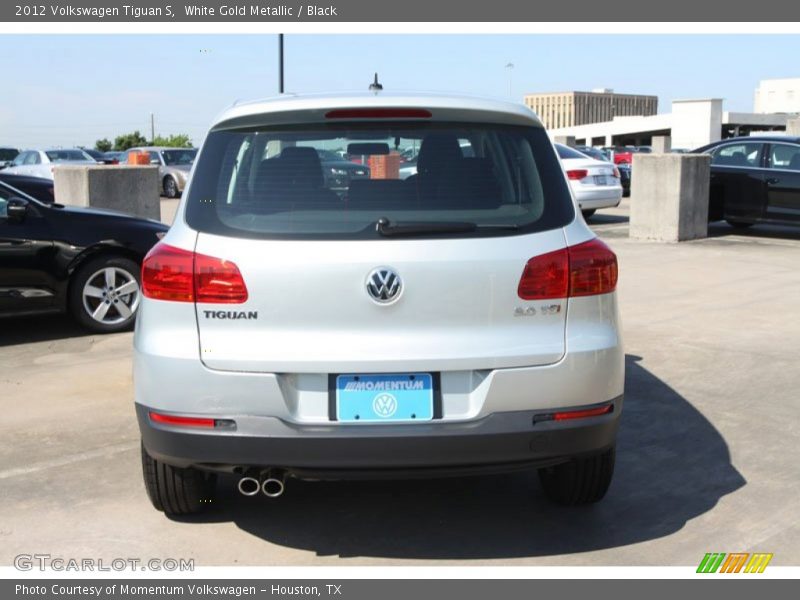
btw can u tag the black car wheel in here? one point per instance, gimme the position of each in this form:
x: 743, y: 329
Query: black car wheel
x: 580, y: 481
x: 176, y: 491
x: 105, y: 293
x: 171, y: 188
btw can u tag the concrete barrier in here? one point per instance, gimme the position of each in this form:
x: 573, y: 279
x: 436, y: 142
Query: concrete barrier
x: 566, y: 140
x: 669, y: 196
x: 129, y: 189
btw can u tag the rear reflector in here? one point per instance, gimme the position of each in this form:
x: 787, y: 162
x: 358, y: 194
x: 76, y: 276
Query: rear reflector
x: 583, y: 414
x: 178, y: 275
x: 180, y: 421
x: 577, y: 173
x: 378, y: 113
x: 587, y: 269
x: 567, y: 415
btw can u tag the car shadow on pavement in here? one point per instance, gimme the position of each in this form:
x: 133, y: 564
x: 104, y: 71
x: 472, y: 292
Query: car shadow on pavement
x: 672, y: 466
x: 40, y: 328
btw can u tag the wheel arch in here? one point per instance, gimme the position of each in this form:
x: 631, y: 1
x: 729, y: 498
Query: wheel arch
x: 98, y: 250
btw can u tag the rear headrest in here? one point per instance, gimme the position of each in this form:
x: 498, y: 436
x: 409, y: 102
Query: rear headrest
x: 794, y: 164
x: 437, y: 152
x: 301, y: 166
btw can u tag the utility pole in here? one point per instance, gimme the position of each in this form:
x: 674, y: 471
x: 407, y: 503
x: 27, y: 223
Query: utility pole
x: 280, y: 63
x: 510, y: 67
x: 152, y: 128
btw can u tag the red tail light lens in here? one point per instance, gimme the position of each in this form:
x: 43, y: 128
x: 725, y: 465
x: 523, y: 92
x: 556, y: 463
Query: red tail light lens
x: 167, y: 274
x: 218, y: 281
x: 576, y: 174
x: 592, y: 269
x: 583, y: 414
x: 584, y: 270
x: 545, y: 276
x: 178, y: 275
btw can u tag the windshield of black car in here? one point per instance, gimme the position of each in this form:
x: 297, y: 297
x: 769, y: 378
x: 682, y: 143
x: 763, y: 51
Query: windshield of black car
x: 178, y: 157
x: 270, y: 183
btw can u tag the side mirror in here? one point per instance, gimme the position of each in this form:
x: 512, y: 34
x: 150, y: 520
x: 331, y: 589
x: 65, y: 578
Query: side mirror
x: 16, y: 209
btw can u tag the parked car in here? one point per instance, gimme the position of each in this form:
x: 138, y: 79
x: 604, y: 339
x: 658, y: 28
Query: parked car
x: 113, y: 157
x: 55, y: 258
x: 595, y: 153
x: 7, y: 156
x: 595, y: 184
x: 40, y: 188
x: 40, y: 163
x: 461, y: 321
x: 104, y: 158
x: 337, y: 171
x: 625, y: 171
x: 174, y: 166
x: 755, y: 179
x: 622, y: 154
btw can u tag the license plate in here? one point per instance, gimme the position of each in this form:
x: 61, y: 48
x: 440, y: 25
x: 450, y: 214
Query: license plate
x: 384, y: 398
x: 602, y: 180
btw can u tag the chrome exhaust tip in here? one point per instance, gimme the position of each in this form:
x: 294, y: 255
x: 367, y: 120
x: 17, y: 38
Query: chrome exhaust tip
x: 274, y: 484
x: 248, y: 486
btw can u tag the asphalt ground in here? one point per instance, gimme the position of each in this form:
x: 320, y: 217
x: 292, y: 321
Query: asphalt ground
x: 707, y: 456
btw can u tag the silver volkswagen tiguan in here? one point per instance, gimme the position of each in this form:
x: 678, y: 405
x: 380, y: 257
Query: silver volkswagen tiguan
x: 460, y: 321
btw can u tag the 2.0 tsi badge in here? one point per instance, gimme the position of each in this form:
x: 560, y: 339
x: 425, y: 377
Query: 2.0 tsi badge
x: 384, y: 286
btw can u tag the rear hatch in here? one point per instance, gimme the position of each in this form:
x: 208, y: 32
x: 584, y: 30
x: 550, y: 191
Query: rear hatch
x: 451, y: 243
x: 309, y: 309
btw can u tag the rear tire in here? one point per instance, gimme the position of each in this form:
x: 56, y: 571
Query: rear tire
x: 171, y: 187
x: 738, y: 224
x: 176, y: 491
x: 588, y: 212
x: 580, y: 481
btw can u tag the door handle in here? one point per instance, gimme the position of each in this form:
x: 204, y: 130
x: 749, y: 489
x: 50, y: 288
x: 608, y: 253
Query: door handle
x: 773, y: 180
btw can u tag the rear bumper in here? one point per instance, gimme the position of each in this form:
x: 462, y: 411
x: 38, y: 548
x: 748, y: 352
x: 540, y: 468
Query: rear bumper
x: 496, y: 442
x: 599, y: 197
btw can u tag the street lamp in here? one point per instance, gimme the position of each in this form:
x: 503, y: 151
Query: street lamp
x: 510, y: 67
x: 280, y: 63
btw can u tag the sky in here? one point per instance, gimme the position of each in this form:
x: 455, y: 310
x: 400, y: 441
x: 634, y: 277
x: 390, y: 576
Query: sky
x: 68, y: 90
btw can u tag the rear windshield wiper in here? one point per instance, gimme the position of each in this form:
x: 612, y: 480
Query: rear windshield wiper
x: 385, y: 228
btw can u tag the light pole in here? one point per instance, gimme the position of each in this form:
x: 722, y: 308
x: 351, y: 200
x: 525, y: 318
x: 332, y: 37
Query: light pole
x: 510, y: 67
x: 280, y: 63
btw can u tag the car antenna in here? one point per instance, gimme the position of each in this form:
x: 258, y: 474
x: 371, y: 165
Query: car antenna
x: 375, y: 86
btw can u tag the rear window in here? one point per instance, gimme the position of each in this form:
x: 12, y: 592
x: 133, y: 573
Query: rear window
x: 283, y: 183
x: 567, y: 152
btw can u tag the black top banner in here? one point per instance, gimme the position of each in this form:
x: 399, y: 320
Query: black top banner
x: 401, y: 11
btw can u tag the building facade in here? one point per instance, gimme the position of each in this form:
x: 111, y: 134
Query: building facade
x: 777, y: 96
x: 570, y: 109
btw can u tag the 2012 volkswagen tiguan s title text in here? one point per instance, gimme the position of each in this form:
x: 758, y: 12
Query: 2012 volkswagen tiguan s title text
x: 457, y: 322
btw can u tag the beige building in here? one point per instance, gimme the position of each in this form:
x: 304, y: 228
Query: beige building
x: 570, y: 109
x: 777, y: 96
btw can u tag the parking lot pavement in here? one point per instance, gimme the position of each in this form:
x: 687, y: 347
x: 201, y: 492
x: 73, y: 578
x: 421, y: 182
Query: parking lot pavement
x: 707, y: 455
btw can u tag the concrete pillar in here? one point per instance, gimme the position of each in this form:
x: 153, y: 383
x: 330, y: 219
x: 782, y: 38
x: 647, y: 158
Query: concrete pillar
x: 130, y: 189
x: 609, y: 140
x: 696, y: 123
x: 793, y: 127
x: 567, y: 140
x: 662, y: 144
x: 670, y: 193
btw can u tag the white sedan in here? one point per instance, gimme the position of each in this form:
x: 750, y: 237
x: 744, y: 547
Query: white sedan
x: 40, y: 163
x: 594, y: 183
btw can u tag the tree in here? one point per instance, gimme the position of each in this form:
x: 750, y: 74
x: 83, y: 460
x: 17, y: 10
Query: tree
x: 129, y: 140
x: 103, y: 145
x: 180, y: 140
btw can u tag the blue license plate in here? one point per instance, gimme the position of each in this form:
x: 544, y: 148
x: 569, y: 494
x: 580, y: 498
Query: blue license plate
x: 384, y: 398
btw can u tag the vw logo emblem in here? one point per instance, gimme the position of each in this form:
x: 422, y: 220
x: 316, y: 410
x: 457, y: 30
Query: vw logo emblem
x: 384, y: 286
x: 384, y: 405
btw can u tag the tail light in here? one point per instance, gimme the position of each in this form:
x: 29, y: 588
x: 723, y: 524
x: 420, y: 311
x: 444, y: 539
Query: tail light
x: 616, y: 172
x: 577, y: 173
x: 178, y: 275
x: 586, y: 269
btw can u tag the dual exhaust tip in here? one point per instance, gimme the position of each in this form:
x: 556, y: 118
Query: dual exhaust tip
x: 271, y: 483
